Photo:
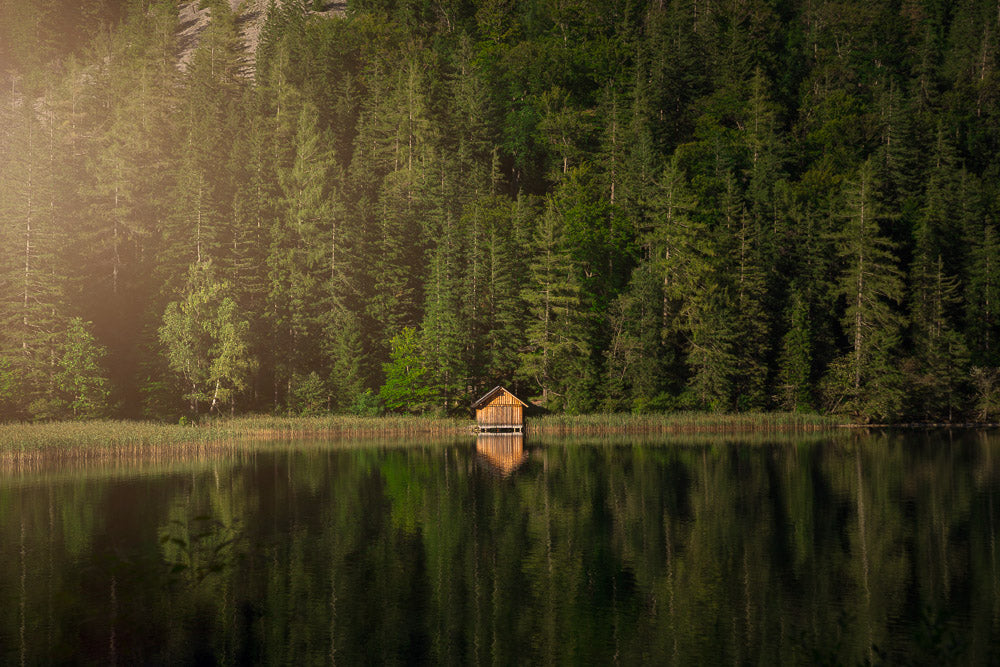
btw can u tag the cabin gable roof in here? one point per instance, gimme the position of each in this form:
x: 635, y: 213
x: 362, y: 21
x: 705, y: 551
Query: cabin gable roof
x: 493, y: 393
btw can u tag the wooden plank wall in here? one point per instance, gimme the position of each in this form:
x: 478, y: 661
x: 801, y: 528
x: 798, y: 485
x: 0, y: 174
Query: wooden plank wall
x: 503, y: 410
x: 493, y: 414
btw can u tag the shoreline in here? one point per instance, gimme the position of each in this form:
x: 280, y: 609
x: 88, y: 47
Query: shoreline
x: 32, y: 443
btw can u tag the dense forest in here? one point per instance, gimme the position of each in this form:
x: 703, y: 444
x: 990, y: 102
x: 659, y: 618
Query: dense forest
x: 614, y: 205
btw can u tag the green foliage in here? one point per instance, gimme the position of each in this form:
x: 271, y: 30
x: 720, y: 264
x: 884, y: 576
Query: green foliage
x: 366, y: 404
x: 8, y: 388
x: 554, y: 329
x: 81, y: 377
x: 405, y: 388
x: 308, y: 396
x: 986, y: 382
x: 796, y: 358
x: 346, y: 380
x: 865, y: 381
x: 729, y: 207
x: 205, y: 340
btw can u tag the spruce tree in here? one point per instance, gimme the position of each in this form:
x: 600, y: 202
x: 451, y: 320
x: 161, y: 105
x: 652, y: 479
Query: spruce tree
x: 444, y: 327
x: 796, y: 359
x: 865, y: 380
x: 302, y: 257
x: 982, y: 298
x: 555, y: 341
x: 80, y: 377
x: 405, y: 388
x: 32, y: 267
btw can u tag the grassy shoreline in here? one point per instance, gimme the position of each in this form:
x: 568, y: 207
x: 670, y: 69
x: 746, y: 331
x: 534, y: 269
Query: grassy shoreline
x: 127, y: 439
x: 682, y: 422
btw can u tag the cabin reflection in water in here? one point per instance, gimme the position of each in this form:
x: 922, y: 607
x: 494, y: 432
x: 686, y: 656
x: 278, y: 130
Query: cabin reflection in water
x: 504, y: 452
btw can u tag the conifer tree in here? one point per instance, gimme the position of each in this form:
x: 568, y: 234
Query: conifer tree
x: 302, y: 257
x: 635, y: 364
x: 983, y: 298
x: 509, y: 230
x: 254, y: 208
x: 865, y: 380
x: 682, y: 249
x: 405, y: 388
x: 31, y: 264
x: 345, y: 352
x: 444, y: 324
x: 712, y: 345
x: 753, y: 320
x: 553, y: 331
x: 80, y: 376
x: 941, y: 357
x: 401, y: 150
x: 795, y: 362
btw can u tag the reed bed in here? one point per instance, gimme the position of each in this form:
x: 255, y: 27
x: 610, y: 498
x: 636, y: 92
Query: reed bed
x: 339, y: 425
x: 29, y: 444
x: 102, y: 440
x: 682, y: 422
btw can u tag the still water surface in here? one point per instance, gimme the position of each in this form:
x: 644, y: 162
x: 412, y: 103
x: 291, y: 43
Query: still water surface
x: 844, y: 549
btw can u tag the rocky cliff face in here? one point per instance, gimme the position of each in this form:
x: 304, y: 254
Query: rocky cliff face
x: 251, y: 14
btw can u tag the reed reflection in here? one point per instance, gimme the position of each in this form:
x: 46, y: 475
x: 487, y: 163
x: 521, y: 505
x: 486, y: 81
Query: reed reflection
x: 502, y: 451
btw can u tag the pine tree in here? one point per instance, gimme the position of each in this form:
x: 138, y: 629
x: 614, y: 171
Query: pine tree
x: 796, y: 360
x: 345, y: 352
x: 32, y: 262
x: 685, y: 252
x: 983, y: 298
x: 635, y: 354
x: 712, y: 345
x: 444, y: 326
x: 123, y: 127
x: 396, y: 168
x: 554, y: 333
x: 80, y: 377
x: 255, y: 206
x: 508, y: 245
x: 302, y: 261
x: 865, y: 380
x: 753, y: 320
x: 941, y: 357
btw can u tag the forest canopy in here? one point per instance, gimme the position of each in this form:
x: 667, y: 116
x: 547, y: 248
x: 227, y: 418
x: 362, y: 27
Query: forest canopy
x: 606, y: 205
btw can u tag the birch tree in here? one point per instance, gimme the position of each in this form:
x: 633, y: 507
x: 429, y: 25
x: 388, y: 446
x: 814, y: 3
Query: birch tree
x: 205, y: 340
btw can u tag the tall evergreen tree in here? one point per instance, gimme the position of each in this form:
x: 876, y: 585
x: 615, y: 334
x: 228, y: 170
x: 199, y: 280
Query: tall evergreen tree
x: 80, y: 376
x: 983, y: 298
x: 32, y: 263
x: 554, y: 334
x: 795, y: 362
x: 865, y: 380
x: 445, y: 316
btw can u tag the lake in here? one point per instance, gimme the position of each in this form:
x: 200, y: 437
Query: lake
x: 844, y: 548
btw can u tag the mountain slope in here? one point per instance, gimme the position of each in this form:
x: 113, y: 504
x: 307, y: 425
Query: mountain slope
x: 251, y: 14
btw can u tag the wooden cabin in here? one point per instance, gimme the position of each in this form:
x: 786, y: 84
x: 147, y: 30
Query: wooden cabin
x: 503, y: 451
x: 499, y: 411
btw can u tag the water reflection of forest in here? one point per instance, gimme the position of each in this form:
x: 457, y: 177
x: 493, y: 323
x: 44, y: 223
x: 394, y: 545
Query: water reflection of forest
x: 860, y: 549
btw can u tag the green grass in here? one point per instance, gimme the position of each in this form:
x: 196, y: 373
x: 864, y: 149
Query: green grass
x: 22, y: 444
